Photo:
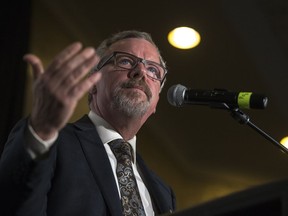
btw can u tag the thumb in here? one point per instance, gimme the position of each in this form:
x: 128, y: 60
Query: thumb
x: 35, y: 63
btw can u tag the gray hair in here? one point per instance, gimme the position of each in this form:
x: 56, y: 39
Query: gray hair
x: 105, y: 45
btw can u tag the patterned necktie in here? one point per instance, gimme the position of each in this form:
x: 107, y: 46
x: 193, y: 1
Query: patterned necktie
x: 130, y: 197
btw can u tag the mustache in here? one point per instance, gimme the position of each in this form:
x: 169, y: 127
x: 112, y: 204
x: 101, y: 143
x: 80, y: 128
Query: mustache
x: 138, y: 84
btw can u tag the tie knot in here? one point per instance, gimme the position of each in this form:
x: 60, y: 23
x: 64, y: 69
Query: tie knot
x: 121, y: 149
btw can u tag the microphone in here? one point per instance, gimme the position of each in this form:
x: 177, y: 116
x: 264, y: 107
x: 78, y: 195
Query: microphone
x: 178, y: 95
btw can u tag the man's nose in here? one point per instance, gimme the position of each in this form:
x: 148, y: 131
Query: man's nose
x: 138, y: 72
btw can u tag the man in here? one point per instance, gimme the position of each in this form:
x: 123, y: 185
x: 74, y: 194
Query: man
x: 48, y: 168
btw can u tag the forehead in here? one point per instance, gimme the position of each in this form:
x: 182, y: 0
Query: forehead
x: 139, y: 47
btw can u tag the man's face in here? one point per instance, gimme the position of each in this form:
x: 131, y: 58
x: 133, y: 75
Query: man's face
x: 131, y: 92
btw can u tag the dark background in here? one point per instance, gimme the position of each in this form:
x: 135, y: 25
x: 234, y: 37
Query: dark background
x: 202, y: 153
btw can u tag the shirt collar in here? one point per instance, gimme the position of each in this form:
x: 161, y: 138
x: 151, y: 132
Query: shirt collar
x: 107, y: 133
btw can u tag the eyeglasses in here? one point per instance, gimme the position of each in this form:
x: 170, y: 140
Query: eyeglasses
x: 128, y: 61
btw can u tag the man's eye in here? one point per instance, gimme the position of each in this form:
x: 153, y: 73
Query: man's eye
x: 125, y: 62
x: 153, y: 70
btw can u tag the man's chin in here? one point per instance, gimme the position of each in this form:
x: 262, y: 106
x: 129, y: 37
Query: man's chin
x: 132, y: 106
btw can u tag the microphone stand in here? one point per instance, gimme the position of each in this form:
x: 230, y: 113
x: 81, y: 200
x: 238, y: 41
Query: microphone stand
x: 242, y: 118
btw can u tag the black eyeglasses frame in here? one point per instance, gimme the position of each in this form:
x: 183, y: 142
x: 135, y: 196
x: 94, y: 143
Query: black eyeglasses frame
x: 106, y: 59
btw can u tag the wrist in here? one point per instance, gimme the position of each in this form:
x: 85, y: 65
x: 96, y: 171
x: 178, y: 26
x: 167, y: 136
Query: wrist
x: 41, y: 132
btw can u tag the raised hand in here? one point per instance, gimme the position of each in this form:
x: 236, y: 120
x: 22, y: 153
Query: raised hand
x: 57, y: 90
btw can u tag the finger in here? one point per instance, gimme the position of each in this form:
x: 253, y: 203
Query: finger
x: 64, y: 56
x: 78, y: 73
x: 74, y: 69
x: 36, y: 64
x: 82, y: 87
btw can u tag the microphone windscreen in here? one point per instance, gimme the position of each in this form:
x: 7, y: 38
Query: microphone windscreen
x: 175, y: 95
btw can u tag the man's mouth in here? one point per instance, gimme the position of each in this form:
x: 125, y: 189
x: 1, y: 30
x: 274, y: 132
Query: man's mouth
x: 139, y: 87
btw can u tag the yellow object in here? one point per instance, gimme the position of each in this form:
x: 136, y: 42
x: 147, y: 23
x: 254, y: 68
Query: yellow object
x: 284, y: 142
x: 184, y: 38
x: 244, y: 99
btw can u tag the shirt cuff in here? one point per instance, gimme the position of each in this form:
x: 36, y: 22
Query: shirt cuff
x: 35, y: 145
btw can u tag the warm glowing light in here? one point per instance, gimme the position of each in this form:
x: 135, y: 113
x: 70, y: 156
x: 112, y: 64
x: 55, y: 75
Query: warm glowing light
x: 184, y: 38
x: 284, y: 141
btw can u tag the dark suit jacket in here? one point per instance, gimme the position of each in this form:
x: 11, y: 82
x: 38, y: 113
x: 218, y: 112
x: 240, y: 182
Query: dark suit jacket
x: 74, y: 178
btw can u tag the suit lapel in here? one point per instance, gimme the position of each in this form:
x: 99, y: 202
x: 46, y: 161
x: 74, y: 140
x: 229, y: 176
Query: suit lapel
x: 161, y: 194
x: 99, y: 163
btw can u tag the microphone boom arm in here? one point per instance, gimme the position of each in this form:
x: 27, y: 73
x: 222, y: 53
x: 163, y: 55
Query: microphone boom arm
x: 242, y: 118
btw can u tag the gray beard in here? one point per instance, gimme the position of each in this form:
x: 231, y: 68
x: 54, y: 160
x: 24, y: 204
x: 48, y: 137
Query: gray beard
x: 129, y: 104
